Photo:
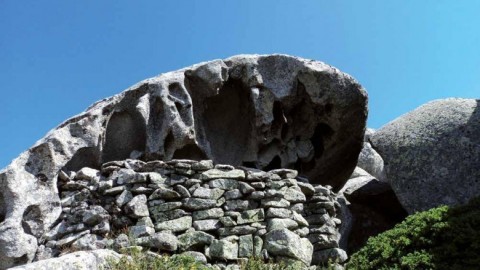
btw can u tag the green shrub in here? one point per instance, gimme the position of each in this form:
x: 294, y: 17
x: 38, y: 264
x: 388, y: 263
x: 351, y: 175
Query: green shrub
x: 440, y: 238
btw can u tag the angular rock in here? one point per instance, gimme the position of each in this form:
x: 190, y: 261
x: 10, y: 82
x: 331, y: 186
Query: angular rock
x: 175, y: 225
x: 208, y: 193
x: 208, y: 214
x: 432, y: 154
x: 224, y: 249
x: 194, y: 239
x: 286, y: 243
x: 281, y: 223
x: 245, y: 246
x: 206, y: 224
x: 251, y: 216
x: 194, y: 204
x: 333, y: 254
x: 137, y: 207
x: 216, y: 174
x: 164, y: 241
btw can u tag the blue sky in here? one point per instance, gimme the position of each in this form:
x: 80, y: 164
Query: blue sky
x: 58, y: 57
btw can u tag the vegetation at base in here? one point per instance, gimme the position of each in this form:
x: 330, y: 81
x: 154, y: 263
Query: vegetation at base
x: 440, y: 238
x: 139, y: 260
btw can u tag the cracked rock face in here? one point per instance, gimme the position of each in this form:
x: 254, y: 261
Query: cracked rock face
x: 267, y: 112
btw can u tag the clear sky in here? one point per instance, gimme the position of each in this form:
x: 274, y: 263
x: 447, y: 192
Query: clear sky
x: 58, y: 57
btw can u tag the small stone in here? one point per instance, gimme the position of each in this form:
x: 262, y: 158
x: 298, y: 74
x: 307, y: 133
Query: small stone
x: 258, y: 185
x: 274, y: 212
x: 246, y: 188
x: 228, y: 221
x: 224, y: 167
x: 202, y: 165
x: 95, y: 215
x: 175, y: 225
x: 245, y: 246
x: 183, y: 191
x: 206, y: 224
x: 225, y: 184
x: 156, y: 179
x: 233, y: 194
x: 208, y: 214
x: 257, y: 195
x: 198, y: 204
x: 323, y: 241
x: 165, y: 194
x: 114, y: 191
x: 164, y: 241
x: 237, y: 230
x: 281, y: 223
x: 122, y: 241
x: 67, y: 240
x: 194, y: 239
x: 251, y: 216
x: 165, y: 206
x: 147, y: 221
x: 101, y: 228
x: 198, y: 256
x: 275, y: 202
x: 285, y: 173
x: 317, y: 219
x: 216, y: 174
x: 236, y: 205
x: 224, y: 250
x: 302, y: 232
x: 123, y: 198
x: 257, y: 246
x: 306, y: 188
x: 286, y: 243
x: 207, y: 193
x: 88, y: 174
x: 293, y: 195
x: 299, y: 219
x: 140, y: 230
x: 137, y: 207
x: 89, y: 242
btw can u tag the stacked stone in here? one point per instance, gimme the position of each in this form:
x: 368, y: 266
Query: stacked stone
x: 217, y: 213
x: 321, y: 212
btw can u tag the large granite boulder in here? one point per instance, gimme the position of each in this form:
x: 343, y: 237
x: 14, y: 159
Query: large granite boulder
x: 432, y: 154
x: 259, y: 111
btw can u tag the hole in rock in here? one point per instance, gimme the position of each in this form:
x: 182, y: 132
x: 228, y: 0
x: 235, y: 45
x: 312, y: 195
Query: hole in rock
x: 169, y: 142
x: 125, y: 133
x: 322, y: 132
x: 189, y: 151
x: 84, y: 157
x: 276, y: 163
x: 227, y: 121
x: 249, y: 164
x: 328, y: 109
x: 3, y: 208
x: 21, y: 260
x: 32, y: 220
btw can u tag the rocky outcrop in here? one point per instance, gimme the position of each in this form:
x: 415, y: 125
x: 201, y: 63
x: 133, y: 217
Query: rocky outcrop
x: 260, y: 111
x: 179, y: 206
x: 432, y: 154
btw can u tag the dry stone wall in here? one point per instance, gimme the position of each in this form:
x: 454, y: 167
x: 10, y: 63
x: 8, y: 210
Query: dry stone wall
x: 217, y: 213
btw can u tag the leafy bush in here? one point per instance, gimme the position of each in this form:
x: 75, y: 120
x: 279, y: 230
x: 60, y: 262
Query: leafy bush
x: 440, y: 238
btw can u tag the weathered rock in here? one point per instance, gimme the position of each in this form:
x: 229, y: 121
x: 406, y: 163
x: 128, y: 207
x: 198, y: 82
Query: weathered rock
x: 432, y: 154
x: 164, y: 241
x: 209, y: 213
x: 80, y: 260
x: 245, y: 109
x: 245, y: 246
x: 137, y: 207
x: 224, y: 249
x: 194, y: 239
x: 286, y: 243
x: 371, y: 161
x: 175, y: 225
x: 333, y: 254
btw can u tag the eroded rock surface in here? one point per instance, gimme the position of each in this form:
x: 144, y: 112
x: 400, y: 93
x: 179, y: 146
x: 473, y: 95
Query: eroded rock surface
x: 432, y: 154
x: 262, y: 111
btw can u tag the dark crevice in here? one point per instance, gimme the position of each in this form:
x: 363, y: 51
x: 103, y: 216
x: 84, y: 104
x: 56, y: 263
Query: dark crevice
x: 169, y: 142
x: 276, y: 163
x: 84, y: 157
x: 21, y: 260
x: 189, y: 151
x: 3, y: 210
x: 32, y: 220
x: 249, y: 164
x: 322, y: 133
x: 125, y: 133
x: 227, y: 123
